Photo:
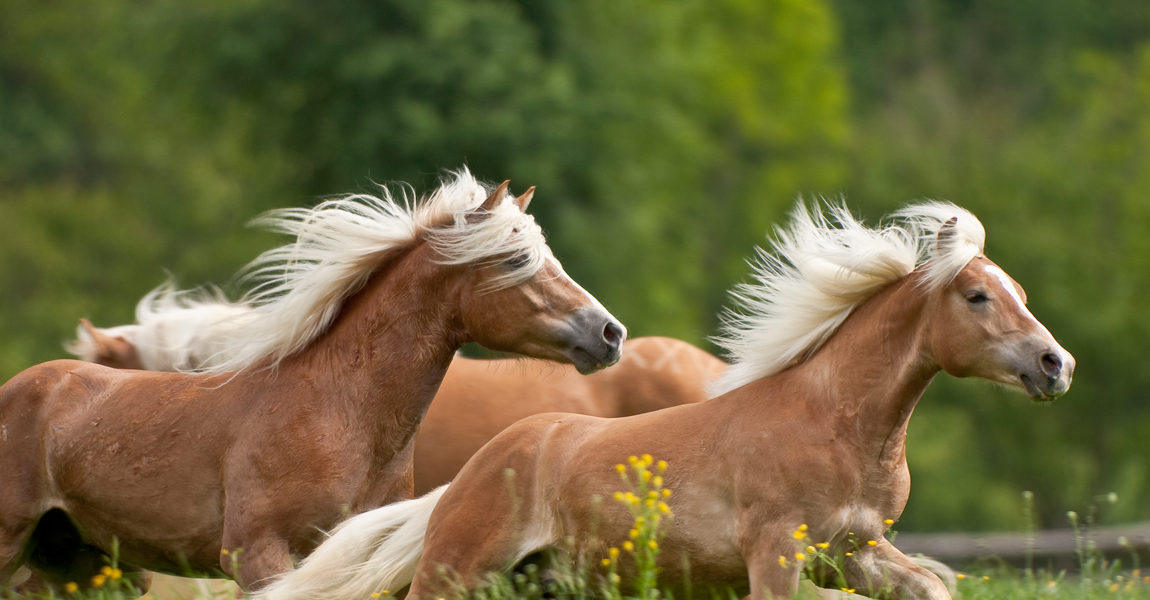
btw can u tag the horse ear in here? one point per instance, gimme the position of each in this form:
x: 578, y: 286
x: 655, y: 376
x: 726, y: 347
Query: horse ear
x: 947, y: 234
x: 523, y: 200
x: 113, y: 351
x: 493, y: 200
x: 99, y: 337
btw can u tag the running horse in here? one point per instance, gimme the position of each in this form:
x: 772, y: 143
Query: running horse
x: 176, y: 331
x: 837, y: 338
x: 310, y: 415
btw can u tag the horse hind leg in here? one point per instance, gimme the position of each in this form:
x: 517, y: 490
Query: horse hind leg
x: 476, y: 533
x: 15, y: 532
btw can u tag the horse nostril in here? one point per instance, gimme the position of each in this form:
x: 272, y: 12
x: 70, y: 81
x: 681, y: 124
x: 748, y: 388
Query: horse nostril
x: 1051, y: 364
x: 613, y: 333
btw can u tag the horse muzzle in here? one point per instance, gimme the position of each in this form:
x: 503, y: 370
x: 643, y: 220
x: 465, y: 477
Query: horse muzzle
x: 1050, y: 377
x: 597, y: 340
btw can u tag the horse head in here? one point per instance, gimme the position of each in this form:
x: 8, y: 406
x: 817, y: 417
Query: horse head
x: 983, y: 328
x: 521, y: 300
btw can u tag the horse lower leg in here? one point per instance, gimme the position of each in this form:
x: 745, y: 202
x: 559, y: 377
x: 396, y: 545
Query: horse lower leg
x: 770, y: 580
x: 13, y: 537
x: 254, y: 564
x: 885, y: 572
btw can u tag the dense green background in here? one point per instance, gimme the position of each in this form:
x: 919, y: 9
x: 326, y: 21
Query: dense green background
x: 137, y: 138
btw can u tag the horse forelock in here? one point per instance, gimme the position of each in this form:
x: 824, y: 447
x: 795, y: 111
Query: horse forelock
x: 822, y: 266
x: 504, y: 231
x: 298, y: 288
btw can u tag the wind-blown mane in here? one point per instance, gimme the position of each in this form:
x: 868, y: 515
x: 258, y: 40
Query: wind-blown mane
x: 174, y: 330
x: 299, y: 287
x: 824, y: 265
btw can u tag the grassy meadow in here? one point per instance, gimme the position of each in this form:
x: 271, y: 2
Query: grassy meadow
x: 637, y: 551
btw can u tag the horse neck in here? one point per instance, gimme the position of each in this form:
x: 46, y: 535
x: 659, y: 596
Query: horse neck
x: 384, y: 357
x: 872, y: 372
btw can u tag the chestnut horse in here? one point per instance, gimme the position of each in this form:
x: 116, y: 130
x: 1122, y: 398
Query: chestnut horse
x: 310, y: 415
x: 840, y: 335
x: 173, y: 333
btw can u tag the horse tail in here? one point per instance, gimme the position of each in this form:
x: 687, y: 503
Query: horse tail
x: 368, y: 553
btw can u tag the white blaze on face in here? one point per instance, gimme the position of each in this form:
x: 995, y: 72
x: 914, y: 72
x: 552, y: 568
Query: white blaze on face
x: 1008, y: 285
x: 558, y: 267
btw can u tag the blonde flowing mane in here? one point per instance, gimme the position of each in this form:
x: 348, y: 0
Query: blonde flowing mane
x: 298, y: 288
x: 822, y: 266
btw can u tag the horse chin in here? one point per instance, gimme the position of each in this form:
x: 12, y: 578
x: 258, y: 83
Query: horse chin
x: 586, y: 364
x: 1036, y: 393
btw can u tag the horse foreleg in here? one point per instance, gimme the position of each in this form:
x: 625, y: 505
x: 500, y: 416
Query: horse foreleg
x: 254, y: 562
x: 885, y: 572
x: 770, y: 577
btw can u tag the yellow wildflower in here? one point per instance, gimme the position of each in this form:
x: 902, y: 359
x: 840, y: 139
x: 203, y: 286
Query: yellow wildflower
x: 628, y: 546
x: 848, y: 590
x: 606, y: 562
x: 664, y: 508
x: 871, y: 543
x: 223, y: 551
x: 661, y: 465
x: 375, y: 594
x: 666, y: 493
x: 653, y: 544
x: 810, y: 549
x: 961, y: 575
x: 620, y: 468
x: 986, y: 577
x: 799, y: 556
x: 613, y: 552
x: 632, y: 460
x: 888, y: 522
x: 782, y: 561
x: 98, y: 580
x: 657, y: 481
x: 647, y: 459
x: 71, y: 587
x: 849, y: 554
x: 618, y: 496
x: 634, y: 533
x: 1114, y: 587
x: 823, y: 545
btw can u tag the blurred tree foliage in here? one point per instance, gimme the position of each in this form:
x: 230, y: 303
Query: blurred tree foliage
x: 136, y: 139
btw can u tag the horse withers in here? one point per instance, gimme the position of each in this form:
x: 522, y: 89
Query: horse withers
x: 840, y: 335
x: 310, y: 413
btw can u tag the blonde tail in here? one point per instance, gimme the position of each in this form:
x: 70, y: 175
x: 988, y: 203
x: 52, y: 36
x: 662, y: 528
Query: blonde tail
x: 370, y: 552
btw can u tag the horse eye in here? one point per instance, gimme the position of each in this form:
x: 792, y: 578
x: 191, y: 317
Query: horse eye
x: 976, y: 297
x: 517, y: 261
